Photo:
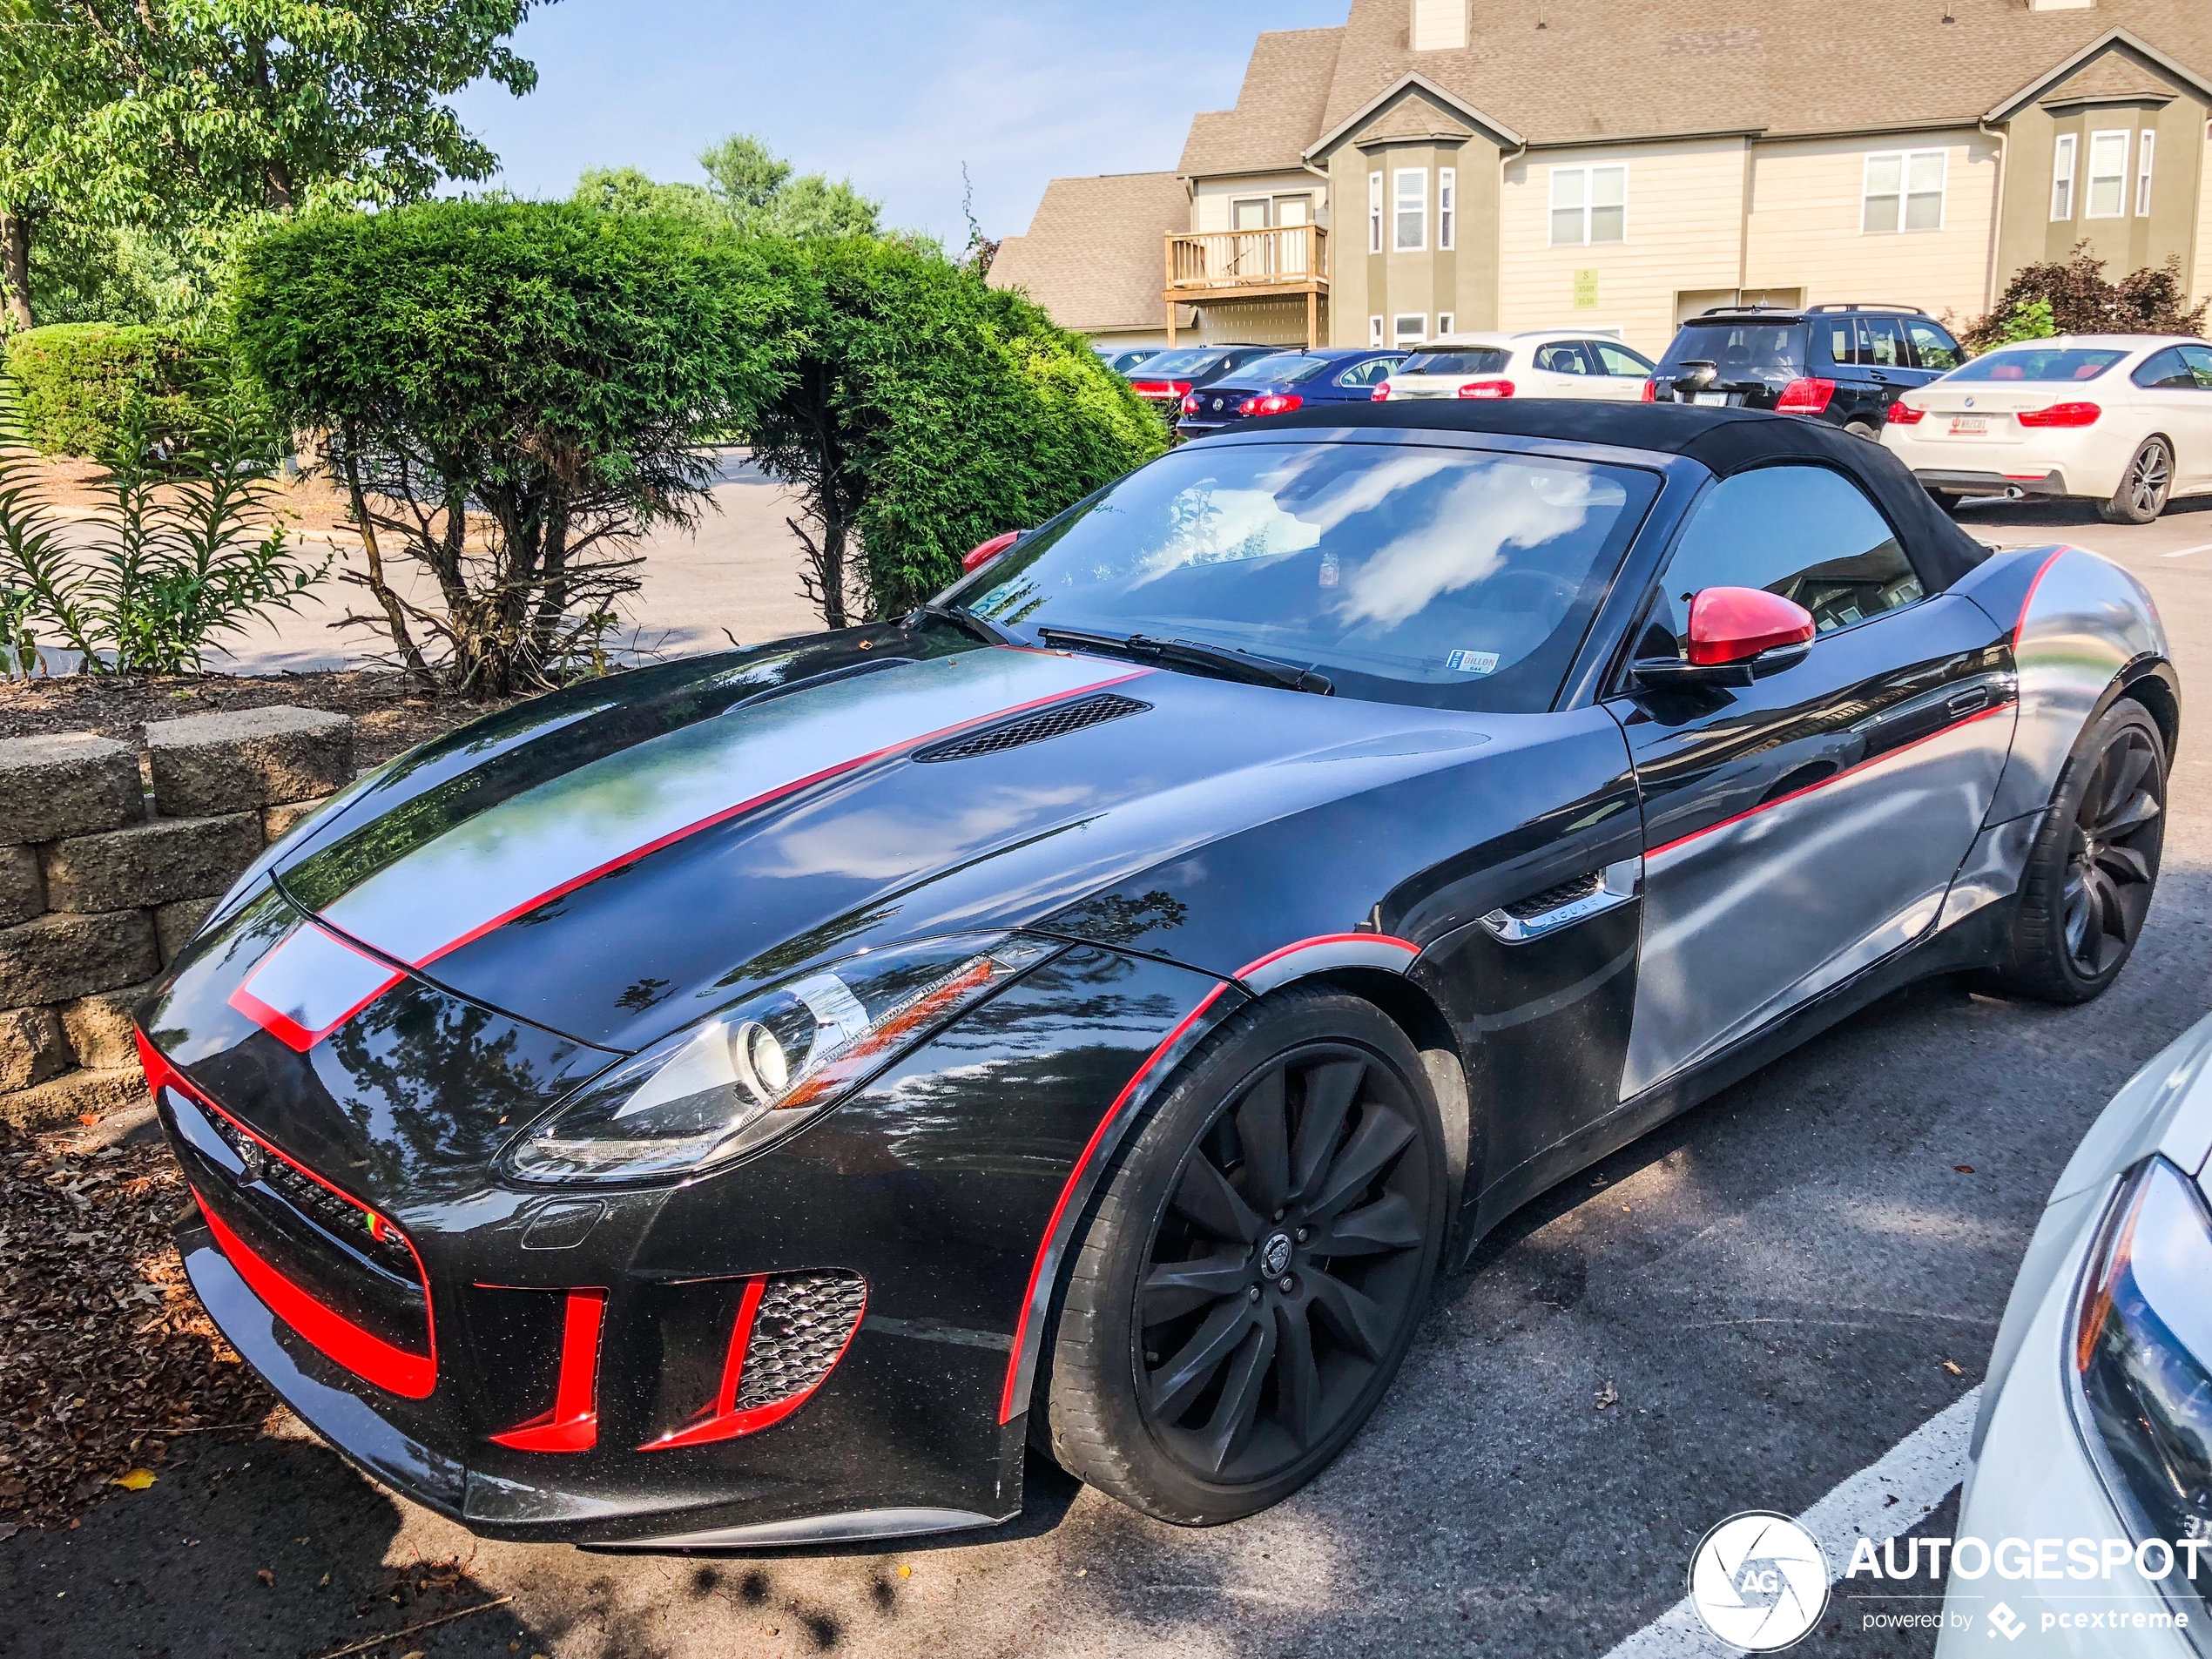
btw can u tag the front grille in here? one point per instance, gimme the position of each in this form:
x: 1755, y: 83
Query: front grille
x: 1551, y: 898
x: 1054, y: 722
x: 802, y: 1325
x: 345, y: 1221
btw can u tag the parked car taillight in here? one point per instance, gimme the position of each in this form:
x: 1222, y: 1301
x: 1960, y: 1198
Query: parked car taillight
x: 2061, y: 415
x: 1273, y: 403
x: 1650, y: 393
x: 1902, y: 414
x: 1161, y: 389
x: 1190, y: 402
x: 1487, y: 388
x: 984, y: 552
x: 1807, y: 395
x: 1380, y: 395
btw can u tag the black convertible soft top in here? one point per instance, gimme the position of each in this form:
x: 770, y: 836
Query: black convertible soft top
x: 1726, y: 440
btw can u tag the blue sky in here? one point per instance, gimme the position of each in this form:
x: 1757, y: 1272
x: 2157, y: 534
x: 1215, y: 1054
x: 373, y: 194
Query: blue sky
x: 895, y: 93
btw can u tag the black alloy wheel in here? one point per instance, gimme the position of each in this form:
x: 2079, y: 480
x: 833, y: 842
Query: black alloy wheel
x: 1256, y: 1267
x: 2143, y: 488
x: 2094, y: 866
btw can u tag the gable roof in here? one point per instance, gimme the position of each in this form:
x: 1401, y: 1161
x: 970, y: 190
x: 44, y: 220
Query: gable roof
x: 1091, y: 256
x: 1419, y: 112
x: 2113, y: 55
x: 1598, y: 68
x: 1278, y: 107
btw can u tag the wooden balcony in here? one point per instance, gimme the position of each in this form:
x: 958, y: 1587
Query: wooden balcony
x: 1210, y: 267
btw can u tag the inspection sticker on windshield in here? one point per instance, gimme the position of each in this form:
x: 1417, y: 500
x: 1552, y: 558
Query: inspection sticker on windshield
x: 1473, y: 662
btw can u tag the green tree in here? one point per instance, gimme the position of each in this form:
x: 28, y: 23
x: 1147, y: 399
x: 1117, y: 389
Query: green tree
x: 513, y: 394
x: 629, y: 190
x: 757, y: 187
x: 926, y: 412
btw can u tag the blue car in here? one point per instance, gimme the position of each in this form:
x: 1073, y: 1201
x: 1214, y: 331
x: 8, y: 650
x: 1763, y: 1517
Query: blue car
x: 1287, y: 380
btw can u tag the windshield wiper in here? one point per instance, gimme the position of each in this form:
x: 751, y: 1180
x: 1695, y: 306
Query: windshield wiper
x: 966, y: 621
x: 1238, y: 664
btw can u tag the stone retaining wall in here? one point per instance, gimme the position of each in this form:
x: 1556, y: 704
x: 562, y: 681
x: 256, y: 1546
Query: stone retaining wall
x: 109, y: 861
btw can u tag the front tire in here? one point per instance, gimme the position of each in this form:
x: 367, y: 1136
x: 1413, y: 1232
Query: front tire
x: 2094, y: 866
x: 2144, y: 487
x: 1254, y: 1266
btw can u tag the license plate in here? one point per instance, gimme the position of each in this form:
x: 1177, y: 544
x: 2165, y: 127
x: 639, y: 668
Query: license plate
x: 1712, y: 400
x: 1969, y: 426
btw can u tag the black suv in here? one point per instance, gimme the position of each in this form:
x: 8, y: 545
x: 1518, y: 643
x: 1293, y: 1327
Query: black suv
x: 1843, y: 364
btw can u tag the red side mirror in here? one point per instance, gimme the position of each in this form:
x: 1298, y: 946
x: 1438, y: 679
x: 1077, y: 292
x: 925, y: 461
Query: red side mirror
x: 984, y: 552
x: 1735, y: 625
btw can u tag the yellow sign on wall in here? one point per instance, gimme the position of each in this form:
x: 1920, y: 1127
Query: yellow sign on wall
x: 1585, y: 290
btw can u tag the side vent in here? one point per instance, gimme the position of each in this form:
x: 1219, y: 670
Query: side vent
x: 1054, y: 722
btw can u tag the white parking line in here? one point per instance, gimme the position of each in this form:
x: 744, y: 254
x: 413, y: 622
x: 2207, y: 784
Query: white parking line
x: 2183, y: 552
x: 1881, y: 1502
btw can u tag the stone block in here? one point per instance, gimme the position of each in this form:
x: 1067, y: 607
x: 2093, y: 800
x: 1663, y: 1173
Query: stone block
x: 67, y: 783
x: 23, y: 892
x: 32, y: 1047
x: 151, y: 863
x: 175, y: 924
x: 98, y: 1028
x: 206, y: 764
x: 56, y: 958
x: 66, y: 1100
x: 276, y: 822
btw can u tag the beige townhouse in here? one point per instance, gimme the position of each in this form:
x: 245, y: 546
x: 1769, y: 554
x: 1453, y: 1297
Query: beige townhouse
x: 1441, y: 164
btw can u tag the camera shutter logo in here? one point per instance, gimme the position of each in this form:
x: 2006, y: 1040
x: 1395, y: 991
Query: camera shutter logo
x: 1760, y: 1580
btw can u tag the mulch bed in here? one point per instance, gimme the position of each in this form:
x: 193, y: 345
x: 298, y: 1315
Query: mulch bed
x: 391, y: 712
x: 105, y: 1355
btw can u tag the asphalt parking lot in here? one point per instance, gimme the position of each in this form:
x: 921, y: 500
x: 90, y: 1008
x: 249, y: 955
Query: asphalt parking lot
x: 1738, y: 1311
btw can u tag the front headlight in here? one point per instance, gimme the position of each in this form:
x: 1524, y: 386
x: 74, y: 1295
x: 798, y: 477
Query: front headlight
x: 2143, y: 1335
x: 756, y: 1071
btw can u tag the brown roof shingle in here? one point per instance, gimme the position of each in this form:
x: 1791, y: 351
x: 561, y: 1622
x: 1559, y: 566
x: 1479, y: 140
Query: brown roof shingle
x: 1092, y: 255
x: 1278, y: 107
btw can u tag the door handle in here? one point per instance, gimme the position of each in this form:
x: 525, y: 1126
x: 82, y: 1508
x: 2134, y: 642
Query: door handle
x: 1972, y: 700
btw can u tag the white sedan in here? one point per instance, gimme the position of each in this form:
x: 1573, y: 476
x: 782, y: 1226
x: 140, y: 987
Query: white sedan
x: 2091, y: 1486
x: 2123, y: 420
x: 1554, y: 362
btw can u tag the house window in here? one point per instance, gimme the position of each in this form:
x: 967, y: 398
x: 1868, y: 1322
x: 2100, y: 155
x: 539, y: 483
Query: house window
x: 1374, y: 331
x: 1439, y: 25
x: 2142, y: 172
x: 1443, y: 322
x: 2062, y: 178
x: 1248, y: 215
x: 1448, y: 206
x: 1904, y: 191
x: 1409, y: 331
x: 1374, y: 215
x: 2107, y: 192
x: 1589, y: 205
x: 1410, y: 210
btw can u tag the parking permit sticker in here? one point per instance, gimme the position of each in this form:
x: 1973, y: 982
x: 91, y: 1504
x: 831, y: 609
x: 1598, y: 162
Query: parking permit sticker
x: 1329, y: 569
x: 1473, y: 662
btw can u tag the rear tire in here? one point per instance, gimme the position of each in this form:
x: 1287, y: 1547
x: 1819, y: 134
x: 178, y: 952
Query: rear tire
x: 1862, y: 430
x: 1254, y: 1266
x: 2094, y: 866
x: 2144, y: 487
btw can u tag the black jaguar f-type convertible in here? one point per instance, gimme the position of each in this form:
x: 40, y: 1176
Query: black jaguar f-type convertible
x: 758, y: 1100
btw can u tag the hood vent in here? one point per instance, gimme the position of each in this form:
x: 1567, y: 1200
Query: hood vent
x: 1054, y: 722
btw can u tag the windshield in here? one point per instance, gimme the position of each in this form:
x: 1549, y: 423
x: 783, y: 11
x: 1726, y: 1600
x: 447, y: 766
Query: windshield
x: 1739, y: 349
x: 1450, y: 578
x: 1181, y: 362
x: 2039, y: 363
x: 1291, y: 367
x: 1488, y: 360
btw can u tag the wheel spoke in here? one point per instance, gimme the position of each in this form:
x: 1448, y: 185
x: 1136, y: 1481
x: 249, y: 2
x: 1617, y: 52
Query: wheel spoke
x: 2136, y: 813
x: 1263, y: 1121
x: 2126, y: 777
x: 1185, y: 1376
x: 2123, y: 863
x: 2111, y: 914
x: 1230, y: 1426
x: 1381, y: 1136
x: 1386, y: 1225
x: 1298, y: 1378
x: 1173, y: 1289
x: 1206, y: 1197
x: 1330, y: 1090
x: 1357, y: 1318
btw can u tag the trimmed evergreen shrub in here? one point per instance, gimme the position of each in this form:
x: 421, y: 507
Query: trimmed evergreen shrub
x: 75, y: 380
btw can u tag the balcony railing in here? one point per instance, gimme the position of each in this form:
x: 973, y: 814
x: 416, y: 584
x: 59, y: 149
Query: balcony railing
x: 1292, y: 259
